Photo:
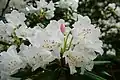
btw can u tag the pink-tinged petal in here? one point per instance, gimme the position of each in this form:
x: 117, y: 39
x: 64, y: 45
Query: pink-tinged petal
x: 62, y: 28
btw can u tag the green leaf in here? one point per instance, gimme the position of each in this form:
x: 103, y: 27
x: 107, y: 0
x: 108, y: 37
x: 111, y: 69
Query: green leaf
x: 23, y: 73
x: 104, y: 72
x: 94, y: 76
x: 101, y: 62
x: 47, y: 75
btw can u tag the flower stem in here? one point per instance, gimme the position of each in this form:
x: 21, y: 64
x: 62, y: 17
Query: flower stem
x: 70, y: 43
x: 65, y: 43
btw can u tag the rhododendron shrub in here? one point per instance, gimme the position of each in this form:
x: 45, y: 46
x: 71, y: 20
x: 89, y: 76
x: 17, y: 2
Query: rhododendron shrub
x: 35, y: 42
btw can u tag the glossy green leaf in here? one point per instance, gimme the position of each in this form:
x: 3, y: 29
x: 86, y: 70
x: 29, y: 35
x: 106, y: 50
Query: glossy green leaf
x: 94, y: 76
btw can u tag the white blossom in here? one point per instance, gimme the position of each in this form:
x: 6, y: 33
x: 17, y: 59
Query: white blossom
x: 5, y: 32
x: 19, y: 4
x: 10, y: 28
x: 80, y: 58
x: 3, y: 29
x: 10, y: 62
x: 16, y: 18
x: 113, y: 30
x: 68, y: 4
x: 49, y: 14
x: 112, y: 5
x: 78, y: 45
x: 35, y: 57
x: 111, y: 52
x: 50, y: 38
x: 117, y: 11
x: 21, y: 32
x: 50, y: 6
x: 41, y: 5
x: 117, y: 24
x: 84, y: 44
x: 85, y: 33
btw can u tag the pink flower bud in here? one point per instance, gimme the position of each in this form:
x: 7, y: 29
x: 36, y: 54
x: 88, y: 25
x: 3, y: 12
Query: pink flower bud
x: 62, y: 28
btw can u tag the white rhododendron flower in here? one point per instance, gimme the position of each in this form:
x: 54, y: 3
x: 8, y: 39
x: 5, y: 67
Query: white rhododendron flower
x: 111, y: 52
x: 52, y: 36
x: 43, y: 5
x: 19, y: 4
x: 15, y: 18
x: 5, y: 32
x: 83, y: 53
x: 52, y: 40
x: 86, y: 34
x: 79, y: 57
x: 49, y: 14
x: 10, y: 61
x: 35, y: 57
x: 112, y: 5
x: 2, y: 30
x: 15, y: 24
x: 21, y: 32
x: 117, y: 11
x: 50, y: 6
x: 68, y: 4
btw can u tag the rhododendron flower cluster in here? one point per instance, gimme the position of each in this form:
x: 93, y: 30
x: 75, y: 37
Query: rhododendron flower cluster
x: 76, y: 46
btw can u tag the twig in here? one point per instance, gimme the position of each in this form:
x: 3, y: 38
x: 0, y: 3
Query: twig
x: 5, y: 7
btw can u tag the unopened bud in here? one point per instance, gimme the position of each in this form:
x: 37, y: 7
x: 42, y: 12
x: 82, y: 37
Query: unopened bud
x: 62, y: 28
